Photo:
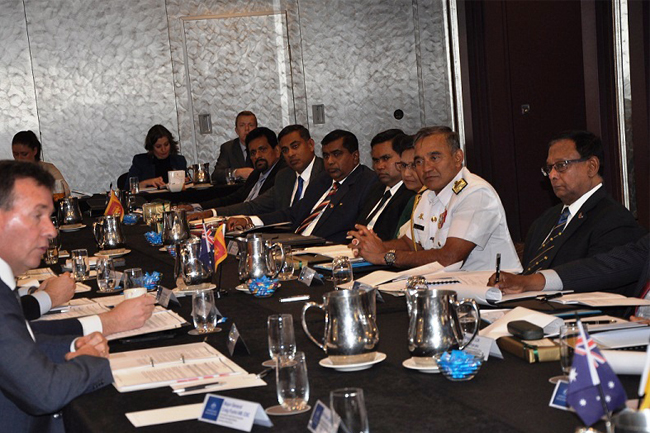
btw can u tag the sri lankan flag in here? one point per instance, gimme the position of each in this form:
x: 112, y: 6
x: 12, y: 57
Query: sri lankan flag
x: 114, y: 206
x: 220, y: 252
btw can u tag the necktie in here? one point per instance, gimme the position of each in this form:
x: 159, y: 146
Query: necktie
x: 318, y: 209
x: 256, y: 188
x: 384, y: 199
x: 298, y: 195
x: 540, y: 259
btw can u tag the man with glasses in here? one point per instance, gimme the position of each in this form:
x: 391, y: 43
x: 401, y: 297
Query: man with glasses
x: 389, y: 196
x: 587, y: 221
x: 459, y: 219
x: 406, y: 166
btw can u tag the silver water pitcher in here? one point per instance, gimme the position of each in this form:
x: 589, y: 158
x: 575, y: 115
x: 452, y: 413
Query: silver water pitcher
x: 434, y: 327
x: 200, y: 173
x: 69, y: 212
x: 175, y: 228
x: 108, y: 232
x: 351, y: 333
x: 256, y: 257
x: 193, y: 270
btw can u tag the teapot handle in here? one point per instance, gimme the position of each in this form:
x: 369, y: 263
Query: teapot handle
x: 306, y: 307
x: 472, y: 303
x: 269, y: 257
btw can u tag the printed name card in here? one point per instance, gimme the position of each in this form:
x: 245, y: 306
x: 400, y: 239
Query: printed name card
x: 233, y: 413
x: 236, y: 342
x: 323, y: 420
x: 558, y: 400
x: 485, y: 346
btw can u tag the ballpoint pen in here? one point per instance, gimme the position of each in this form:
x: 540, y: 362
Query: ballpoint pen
x: 498, y: 273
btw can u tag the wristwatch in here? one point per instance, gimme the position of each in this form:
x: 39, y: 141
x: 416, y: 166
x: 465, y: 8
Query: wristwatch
x: 390, y: 257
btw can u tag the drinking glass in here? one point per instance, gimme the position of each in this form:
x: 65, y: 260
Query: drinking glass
x: 286, y: 271
x: 204, y: 312
x: 569, y: 334
x: 106, y: 277
x: 282, y: 340
x: 292, y: 383
x: 80, y: 268
x: 52, y: 253
x: 230, y: 176
x: 341, y: 271
x: 349, y: 405
x: 58, y: 192
x: 133, y: 283
x: 134, y: 185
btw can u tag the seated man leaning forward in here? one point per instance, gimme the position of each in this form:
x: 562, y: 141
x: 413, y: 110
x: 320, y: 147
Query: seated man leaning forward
x: 459, y: 219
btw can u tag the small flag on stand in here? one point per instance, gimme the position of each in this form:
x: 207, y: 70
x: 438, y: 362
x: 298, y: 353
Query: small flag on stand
x: 220, y: 252
x: 591, y: 381
x: 114, y: 206
x: 206, y: 253
x: 644, y: 384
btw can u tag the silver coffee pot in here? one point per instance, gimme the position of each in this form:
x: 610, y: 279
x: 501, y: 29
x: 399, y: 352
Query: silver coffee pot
x: 193, y: 270
x: 256, y: 257
x: 108, y: 232
x: 433, y: 321
x: 200, y: 173
x: 175, y: 228
x: 69, y: 212
x: 351, y: 333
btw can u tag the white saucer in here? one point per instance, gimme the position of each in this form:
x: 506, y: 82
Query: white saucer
x: 410, y: 364
x: 280, y: 411
x: 270, y: 363
x: 71, y: 227
x: 327, y: 363
x: 181, y: 291
x: 243, y: 288
x: 113, y: 253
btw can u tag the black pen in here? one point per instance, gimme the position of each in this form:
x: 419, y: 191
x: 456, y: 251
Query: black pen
x: 498, y: 275
x: 198, y: 387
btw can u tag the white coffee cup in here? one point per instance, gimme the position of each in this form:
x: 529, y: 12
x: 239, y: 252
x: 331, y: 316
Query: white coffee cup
x: 176, y: 180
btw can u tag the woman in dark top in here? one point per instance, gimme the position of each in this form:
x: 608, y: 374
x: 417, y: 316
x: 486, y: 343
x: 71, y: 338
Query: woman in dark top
x: 162, y: 156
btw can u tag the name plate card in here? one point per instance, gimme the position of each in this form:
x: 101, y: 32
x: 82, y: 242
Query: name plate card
x: 485, y: 345
x: 558, y: 400
x: 233, y: 413
x: 236, y: 342
x: 323, y: 420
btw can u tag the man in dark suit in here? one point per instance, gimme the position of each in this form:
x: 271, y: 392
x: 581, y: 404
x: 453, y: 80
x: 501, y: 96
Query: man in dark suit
x: 387, y: 199
x: 333, y: 200
x: 233, y: 154
x: 262, y: 144
x: 588, y: 221
x: 39, y: 374
x: 297, y: 148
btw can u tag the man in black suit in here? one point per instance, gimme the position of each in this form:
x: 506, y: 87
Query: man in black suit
x: 387, y: 199
x: 39, y: 374
x: 262, y: 144
x: 233, y: 153
x: 334, y: 199
x: 297, y: 148
x: 588, y: 221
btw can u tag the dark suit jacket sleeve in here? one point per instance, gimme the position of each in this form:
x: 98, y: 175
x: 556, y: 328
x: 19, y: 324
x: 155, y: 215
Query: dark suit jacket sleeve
x: 237, y: 196
x: 230, y: 156
x: 29, y: 378
x: 58, y: 327
x: 141, y: 168
x: 31, y: 307
x: 623, y: 265
x: 263, y: 203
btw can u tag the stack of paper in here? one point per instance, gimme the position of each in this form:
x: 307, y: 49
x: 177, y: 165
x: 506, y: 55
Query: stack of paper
x: 600, y: 299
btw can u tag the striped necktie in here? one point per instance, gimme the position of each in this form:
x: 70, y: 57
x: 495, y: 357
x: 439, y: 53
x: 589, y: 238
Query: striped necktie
x: 541, y: 258
x: 318, y: 209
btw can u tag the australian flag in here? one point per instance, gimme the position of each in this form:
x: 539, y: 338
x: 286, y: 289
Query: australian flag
x: 589, y: 372
x: 206, y: 254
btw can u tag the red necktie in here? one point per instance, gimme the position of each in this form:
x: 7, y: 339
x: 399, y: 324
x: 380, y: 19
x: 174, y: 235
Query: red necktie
x: 318, y: 209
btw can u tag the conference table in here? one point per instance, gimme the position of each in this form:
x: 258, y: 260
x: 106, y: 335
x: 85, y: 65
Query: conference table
x: 507, y: 395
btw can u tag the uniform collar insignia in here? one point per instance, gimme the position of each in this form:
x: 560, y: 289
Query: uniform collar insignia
x: 459, y: 185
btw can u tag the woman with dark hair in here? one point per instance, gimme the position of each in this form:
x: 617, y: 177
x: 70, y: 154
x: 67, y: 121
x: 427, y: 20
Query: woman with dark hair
x: 162, y: 156
x: 26, y: 147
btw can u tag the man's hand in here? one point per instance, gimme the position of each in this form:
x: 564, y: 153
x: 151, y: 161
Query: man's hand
x: 199, y: 215
x: 644, y: 320
x: 238, y: 223
x: 368, y: 245
x: 185, y: 207
x: 60, y: 289
x: 127, y: 315
x: 155, y: 182
x: 92, y: 345
x: 243, y: 172
x: 510, y: 283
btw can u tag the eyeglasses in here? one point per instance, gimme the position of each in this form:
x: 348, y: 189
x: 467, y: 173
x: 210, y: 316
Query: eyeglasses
x: 402, y: 166
x: 560, y: 166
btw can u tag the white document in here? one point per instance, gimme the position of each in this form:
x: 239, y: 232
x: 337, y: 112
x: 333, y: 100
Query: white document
x: 625, y: 361
x: 81, y: 288
x: 622, y: 338
x: 222, y: 384
x: 73, y: 312
x: 40, y: 274
x: 376, y: 278
x: 329, y: 251
x: 600, y: 299
x: 153, y: 368
x: 161, y: 320
x: 165, y: 415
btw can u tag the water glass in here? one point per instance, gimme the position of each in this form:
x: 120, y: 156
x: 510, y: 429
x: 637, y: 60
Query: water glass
x: 292, y: 382
x: 134, y: 283
x: 106, y: 277
x: 286, y: 268
x: 80, y: 268
x: 349, y: 405
x: 204, y: 312
x: 569, y: 334
x: 58, y: 192
x: 282, y: 340
x: 341, y: 271
x: 230, y: 176
x: 134, y: 185
x: 52, y: 253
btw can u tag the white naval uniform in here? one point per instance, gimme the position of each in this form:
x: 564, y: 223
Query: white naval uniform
x: 474, y: 214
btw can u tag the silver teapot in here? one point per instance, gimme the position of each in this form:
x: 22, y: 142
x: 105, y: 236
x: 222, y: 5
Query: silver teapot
x: 193, y: 270
x: 351, y: 333
x: 200, y: 173
x: 108, y: 232
x: 434, y: 327
x: 69, y: 212
x: 257, y: 258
